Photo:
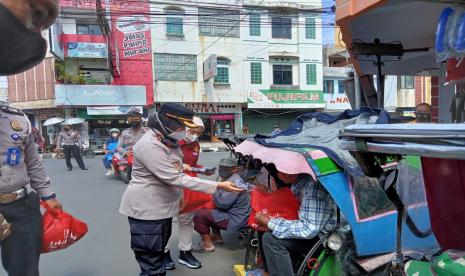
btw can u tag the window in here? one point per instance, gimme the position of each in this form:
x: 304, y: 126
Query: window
x: 328, y: 87
x: 256, y: 73
x: 88, y: 29
x: 282, y: 74
x: 216, y: 22
x: 311, y: 74
x: 222, y: 71
x: 281, y: 27
x: 174, y: 67
x: 254, y: 24
x: 407, y: 82
x: 174, y: 22
x: 340, y: 83
x: 310, y: 31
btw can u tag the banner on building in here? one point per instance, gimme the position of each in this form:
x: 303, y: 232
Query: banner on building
x: 285, y: 99
x: 87, y: 50
x: 130, y: 24
x: 337, y: 102
x: 99, y: 95
x: 109, y: 110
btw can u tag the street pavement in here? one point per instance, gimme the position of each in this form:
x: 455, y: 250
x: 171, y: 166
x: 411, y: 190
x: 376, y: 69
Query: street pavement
x: 105, y: 251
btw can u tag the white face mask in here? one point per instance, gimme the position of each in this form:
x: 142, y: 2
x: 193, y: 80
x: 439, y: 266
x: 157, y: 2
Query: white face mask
x: 114, y: 135
x: 190, y: 138
x: 178, y: 136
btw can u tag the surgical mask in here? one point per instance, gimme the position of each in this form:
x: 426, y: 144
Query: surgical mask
x: 191, y: 137
x: 20, y: 48
x: 178, y: 136
x: 114, y: 135
x: 135, y: 123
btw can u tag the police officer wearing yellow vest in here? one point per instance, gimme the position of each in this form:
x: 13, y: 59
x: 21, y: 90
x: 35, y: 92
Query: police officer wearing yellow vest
x: 21, y: 48
x: 153, y: 195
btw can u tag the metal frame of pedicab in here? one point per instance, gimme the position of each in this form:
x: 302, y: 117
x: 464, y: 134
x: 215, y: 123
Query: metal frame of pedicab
x: 365, y: 231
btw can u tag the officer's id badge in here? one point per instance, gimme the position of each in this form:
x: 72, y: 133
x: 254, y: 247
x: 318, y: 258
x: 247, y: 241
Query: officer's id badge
x: 16, y: 138
x: 13, y: 156
x: 16, y: 125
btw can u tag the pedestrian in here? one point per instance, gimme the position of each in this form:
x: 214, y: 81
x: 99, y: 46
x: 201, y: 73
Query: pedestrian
x: 71, y: 142
x: 131, y: 135
x: 190, y: 147
x: 423, y: 113
x: 109, y: 147
x: 152, y: 198
x: 38, y: 139
x: 21, y: 23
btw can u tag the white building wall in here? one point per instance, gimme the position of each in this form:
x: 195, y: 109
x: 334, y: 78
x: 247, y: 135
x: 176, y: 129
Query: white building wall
x: 241, y: 52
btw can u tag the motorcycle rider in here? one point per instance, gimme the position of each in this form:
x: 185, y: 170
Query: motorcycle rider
x: 114, y: 138
x: 131, y: 135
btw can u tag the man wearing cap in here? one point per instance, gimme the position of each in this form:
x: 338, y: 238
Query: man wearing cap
x: 152, y: 198
x: 21, y: 48
x: 130, y: 136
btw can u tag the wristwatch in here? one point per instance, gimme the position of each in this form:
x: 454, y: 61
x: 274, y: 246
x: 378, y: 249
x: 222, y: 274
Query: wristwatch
x: 45, y: 198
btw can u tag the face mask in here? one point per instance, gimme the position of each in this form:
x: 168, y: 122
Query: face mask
x: 20, y: 48
x: 178, y: 136
x: 135, y: 123
x: 114, y: 135
x: 191, y: 137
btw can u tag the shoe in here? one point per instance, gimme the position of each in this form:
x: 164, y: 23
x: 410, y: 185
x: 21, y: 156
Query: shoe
x: 69, y: 169
x: 108, y: 173
x: 84, y: 169
x: 169, y: 263
x: 186, y: 258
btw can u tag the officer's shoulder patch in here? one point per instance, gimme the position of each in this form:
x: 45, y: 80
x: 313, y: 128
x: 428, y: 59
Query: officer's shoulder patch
x: 11, y: 110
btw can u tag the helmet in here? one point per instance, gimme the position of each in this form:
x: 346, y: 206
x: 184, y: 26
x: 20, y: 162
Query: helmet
x: 114, y: 130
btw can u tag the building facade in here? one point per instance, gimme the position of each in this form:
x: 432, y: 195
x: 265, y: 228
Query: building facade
x: 241, y: 67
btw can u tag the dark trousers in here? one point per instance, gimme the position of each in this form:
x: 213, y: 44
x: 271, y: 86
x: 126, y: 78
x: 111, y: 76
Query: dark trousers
x: 21, y: 250
x: 76, y: 153
x: 148, y: 241
x: 279, y: 253
x: 204, y: 221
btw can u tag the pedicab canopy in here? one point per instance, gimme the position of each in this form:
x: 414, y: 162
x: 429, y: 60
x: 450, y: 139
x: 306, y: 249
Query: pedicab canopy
x: 310, y: 145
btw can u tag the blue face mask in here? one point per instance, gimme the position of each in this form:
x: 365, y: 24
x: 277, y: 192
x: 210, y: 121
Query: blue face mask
x: 20, y: 48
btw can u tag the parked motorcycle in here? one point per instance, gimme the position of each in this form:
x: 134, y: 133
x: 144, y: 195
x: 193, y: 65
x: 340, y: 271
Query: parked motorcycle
x: 123, y: 165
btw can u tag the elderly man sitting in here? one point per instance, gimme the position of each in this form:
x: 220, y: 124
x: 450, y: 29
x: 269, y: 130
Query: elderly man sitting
x: 288, y: 237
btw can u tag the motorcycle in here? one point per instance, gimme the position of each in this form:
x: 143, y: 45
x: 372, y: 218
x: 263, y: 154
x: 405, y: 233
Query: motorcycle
x: 122, y: 165
x: 110, y: 151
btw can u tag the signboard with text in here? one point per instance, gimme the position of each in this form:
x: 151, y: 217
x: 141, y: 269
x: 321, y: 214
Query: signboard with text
x: 131, y: 29
x: 285, y: 99
x: 337, y: 102
x: 99, y: 95
x: 87, y: 50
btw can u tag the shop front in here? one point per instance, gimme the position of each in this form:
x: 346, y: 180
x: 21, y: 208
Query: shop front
x: 268, y: 108
x: 219, y: 118
x: 102, y: 106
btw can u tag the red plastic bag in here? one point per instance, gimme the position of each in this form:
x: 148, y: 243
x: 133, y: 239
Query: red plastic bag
x: 60, y: 229
x: 193, y: 200
x: 279, y: 204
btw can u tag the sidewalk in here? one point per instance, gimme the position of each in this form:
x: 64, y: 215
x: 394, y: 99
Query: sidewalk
x: 212, y: 147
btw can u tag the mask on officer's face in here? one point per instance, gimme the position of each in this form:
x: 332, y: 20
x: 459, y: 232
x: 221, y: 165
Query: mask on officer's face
x: 178, y: 136
x: 135, y: 123
x: 20, y: 48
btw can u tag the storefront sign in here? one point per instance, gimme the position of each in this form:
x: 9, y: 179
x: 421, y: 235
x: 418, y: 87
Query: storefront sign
x: 87, y: 50
x: 45, y: 114
x: 207, y: 108
x: 131, y: 28
x: 285, y: 99
x: 337, y: 102
x: 98, y: 95
x: 109, y: 110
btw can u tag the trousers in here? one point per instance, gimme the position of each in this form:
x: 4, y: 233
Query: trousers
x: 278, y: 253
x: 76, y: 153
x: 186, y: 229
x: 205, y: 223
x: 148, y: 241
x: 21, y: 250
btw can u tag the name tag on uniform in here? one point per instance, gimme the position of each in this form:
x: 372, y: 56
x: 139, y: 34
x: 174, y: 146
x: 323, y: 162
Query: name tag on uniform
x: 13, y: 156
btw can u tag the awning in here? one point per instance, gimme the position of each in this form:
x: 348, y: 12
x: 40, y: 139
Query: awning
x: 412, y: 23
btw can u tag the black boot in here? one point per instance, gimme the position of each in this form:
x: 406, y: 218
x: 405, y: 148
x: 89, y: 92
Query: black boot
x: 186, y: 258
x: 169, y: 263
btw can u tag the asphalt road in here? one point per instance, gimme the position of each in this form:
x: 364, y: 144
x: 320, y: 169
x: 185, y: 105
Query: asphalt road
x: 104, y: 251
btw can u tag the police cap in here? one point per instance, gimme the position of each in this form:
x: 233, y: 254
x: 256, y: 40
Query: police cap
x: 179, y: 113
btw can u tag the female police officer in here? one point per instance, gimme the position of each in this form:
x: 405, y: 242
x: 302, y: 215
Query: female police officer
x: 153, y: 195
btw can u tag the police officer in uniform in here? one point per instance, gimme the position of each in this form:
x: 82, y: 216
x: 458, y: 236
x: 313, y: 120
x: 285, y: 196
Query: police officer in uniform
x: 152, y: 198
x: 130, y: 136
x: 71, y: 142
x: 21, y: 48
